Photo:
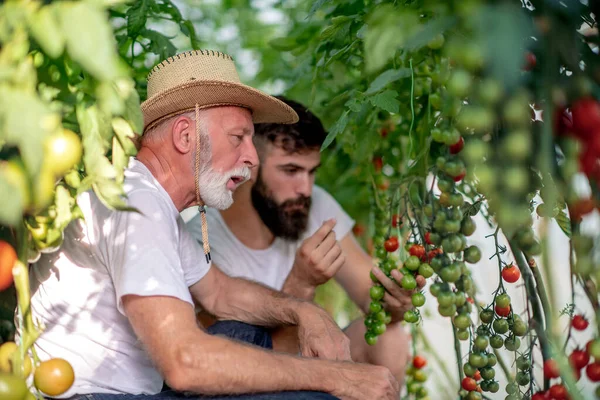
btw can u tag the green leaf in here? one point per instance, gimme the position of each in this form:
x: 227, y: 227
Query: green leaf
x: 12, y: 203
x: 136, y: 17
x: 428, y: 31
x: 119, y: 159
x: 94, y: 143
x: 387, y: 101
x: 470, y: 210
x: 90, y: 39
x: 64, y: 204
x: 187, y: 27
x: 283, y: 43
x: 564, y: 222
x: 315, y: 7
x: 386, y: 78
x: 111, y: 194
x: 45, y: 29
x: 159, y: 44
x: 25, y: 122
x: 388, y: 29
x: 337, y: 128
x: 125, y: 135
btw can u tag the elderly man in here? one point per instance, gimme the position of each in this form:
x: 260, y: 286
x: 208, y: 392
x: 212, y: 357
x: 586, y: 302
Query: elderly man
x: 287, y: 233
x: 117, y: 299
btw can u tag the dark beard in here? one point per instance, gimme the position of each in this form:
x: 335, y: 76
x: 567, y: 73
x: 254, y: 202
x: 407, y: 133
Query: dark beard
x: 288, y: 225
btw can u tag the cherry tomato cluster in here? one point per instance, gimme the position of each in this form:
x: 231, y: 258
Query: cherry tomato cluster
x: 416, y: 377
x: 52, y: 377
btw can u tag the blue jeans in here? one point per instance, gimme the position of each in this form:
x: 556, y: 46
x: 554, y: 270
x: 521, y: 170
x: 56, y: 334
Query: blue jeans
x: 235, y: 330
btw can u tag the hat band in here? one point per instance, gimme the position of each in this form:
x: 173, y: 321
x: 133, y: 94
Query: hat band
x: 184, y: 110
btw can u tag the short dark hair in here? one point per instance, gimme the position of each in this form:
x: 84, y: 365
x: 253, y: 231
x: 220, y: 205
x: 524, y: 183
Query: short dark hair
x: 308, y: 133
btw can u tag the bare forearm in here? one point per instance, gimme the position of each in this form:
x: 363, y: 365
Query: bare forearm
x: 295, y: 288
x: 256, y: 304
x: 219, y: 366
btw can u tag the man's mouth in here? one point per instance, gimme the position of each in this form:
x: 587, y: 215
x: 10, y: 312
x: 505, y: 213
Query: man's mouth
x: 237, y: 179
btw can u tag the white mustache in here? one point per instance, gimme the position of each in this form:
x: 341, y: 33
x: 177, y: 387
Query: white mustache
x: 243, y: 172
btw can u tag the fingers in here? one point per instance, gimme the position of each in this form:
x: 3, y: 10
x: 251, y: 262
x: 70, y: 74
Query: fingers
x: 390, y: 286
x: 321, y: 233
x: 332, y: 257
x: 324, y: 247
x: 421, y: 281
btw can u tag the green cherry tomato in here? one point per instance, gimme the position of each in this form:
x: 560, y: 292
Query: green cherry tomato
x: 447, y: 311
x: 373, y: 278
x: 377, y: 292
x: 487, y: 373
x: 500, y: 326
x: 408, y: 282
x: 523, y: 363
x: 462, y: 321
x: 370, y: 338
x: 418, y: 299
x: 494, y: 387
x: 492, y: 360
x: 435, y: 289
x: 487, y: 316
x: 460, y: 298
x: 379, y: 329
x: 469, y: 370
x: 445, y: 299
x: 462, y: 334
x: 481, y: 342
x: 503, y: 300
x: 411, y: 316
x: 512, y: 343
x: 425, y: 270
x: 478, y: 360
x: 375, y: 307
x: 511, y: 388
x: 519, y: 328
x: 522, y: 378
x: 412, y: 263
x: 472, y: 254
x: 468, y: 226
x: 450, y: 274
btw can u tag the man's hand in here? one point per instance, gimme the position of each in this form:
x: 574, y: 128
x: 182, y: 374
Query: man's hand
x: 319, y: 335
x: 397, y: 300
x: 317, y: 260
x: 365, y: 381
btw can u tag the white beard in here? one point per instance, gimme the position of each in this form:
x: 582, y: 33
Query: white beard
x: 213, y: 186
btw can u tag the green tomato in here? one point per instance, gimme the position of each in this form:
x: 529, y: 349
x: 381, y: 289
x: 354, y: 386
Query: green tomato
x: 412, y: 263
x: 381, y: 253
x: 512, y: 388
x: 435, y: 289
x: 503, y: 300
x: 411, y: 316
x: 519, y: 328
x: 490, y: 91
x: 408, y: 282
x: 457, y: 200
x: 523, y: 378
x: 487, y: 373
x: 460, y: 83
x: 425, y: 270
x: 451, y: 226
x: 500, y: 326
x: 445, y: 185
x: 437, y: 42
x: 512, y: 343
x: 494, y: 387
x: 523, y: 363
x: 375, y: 307
x: 468, y: 226
x: 462, y: 321
x: 447, y: 311
x: 478, y: 360
x: 377, y: 292
x: 469, y: 370
x: 486, y: 316
x: 460, y: 298
x: 370, y: 338
x: 462, y: 334
x: 450, y: 273
x: 418, y: 299
x: 492, y: 360
x: 481, y: 342
x: 445, y: 299
x: 379, y: 329
x: 472, y: 254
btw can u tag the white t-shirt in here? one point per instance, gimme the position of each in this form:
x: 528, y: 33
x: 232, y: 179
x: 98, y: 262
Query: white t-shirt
x: 272, y: 265
x: 111, y: 255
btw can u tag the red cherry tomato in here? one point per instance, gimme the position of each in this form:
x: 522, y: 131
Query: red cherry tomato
x: 579, y: 358
x: 396, y: 220
x: 417, y: 250
x: 477, y: 375
x: 391, y: 244
x: 551, y: 369
x: 457, y: 147
x: 469, y: 384
x: 579, y: 322
x: 558, y: 392
x: 511, y: 273
x: 8, y: 257
x: 419, y: 362
x: 593, y: 371
x: 460, y: 177
x: 530, y: 61
x: 586, y: 116
x: 502, y: 311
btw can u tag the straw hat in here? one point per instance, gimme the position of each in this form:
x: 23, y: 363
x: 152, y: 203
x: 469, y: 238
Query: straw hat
x: 206, y: 78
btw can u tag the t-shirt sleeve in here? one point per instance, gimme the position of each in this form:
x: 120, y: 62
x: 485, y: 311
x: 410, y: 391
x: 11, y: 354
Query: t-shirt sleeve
x: 145, y: 258
x: 193, y: 259
x: 325, y: 207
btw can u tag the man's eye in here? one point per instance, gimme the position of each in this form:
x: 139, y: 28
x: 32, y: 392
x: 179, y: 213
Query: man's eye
x: 290, y: 171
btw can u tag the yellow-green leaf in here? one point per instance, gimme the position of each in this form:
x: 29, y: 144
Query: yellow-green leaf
x: 45, y: 29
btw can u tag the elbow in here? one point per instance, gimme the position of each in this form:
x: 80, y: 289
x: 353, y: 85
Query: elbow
x: 177, y: 374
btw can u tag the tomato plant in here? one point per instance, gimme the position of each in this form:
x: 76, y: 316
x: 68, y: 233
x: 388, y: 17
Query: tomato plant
x: 54, y: 377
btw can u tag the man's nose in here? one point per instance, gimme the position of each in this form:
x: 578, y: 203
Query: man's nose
x: 250, y: 156
x: 304, y: 186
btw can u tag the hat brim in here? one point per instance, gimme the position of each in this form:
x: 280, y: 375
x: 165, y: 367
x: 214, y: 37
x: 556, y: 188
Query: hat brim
x: 205, y: 94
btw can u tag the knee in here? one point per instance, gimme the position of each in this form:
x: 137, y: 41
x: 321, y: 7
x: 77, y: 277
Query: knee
x: 242, y: 331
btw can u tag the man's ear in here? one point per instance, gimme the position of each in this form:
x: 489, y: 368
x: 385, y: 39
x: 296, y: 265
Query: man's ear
x: 183, y: 132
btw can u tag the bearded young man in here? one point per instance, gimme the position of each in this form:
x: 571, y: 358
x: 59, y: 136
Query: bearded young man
x: 117, y: 300
x: 291, y: 235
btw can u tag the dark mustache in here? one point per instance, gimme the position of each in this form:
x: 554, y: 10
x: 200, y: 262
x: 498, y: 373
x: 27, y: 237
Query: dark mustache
x: 300, y: 201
